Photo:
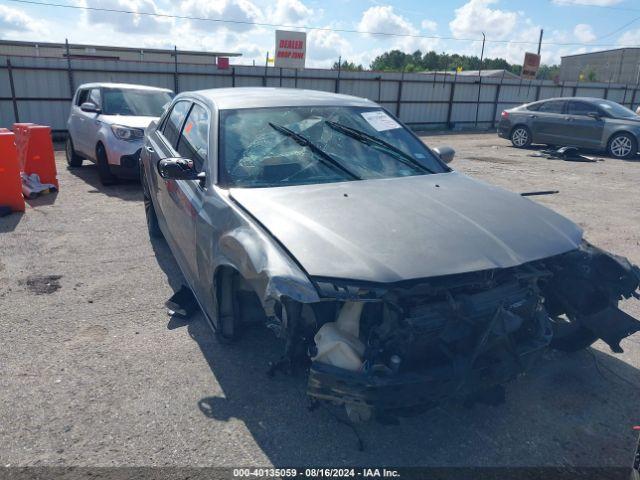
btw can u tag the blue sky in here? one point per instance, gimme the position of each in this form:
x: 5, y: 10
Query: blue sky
x: 571, y: 26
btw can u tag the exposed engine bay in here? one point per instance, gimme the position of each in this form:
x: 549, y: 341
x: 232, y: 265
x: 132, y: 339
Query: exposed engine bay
x: 407, y: 346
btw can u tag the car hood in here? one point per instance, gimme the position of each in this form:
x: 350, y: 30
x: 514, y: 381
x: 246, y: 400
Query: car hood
x: 398, y: 229
x: 128, y: 120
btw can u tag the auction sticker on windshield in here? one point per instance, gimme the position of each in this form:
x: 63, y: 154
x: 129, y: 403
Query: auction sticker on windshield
x: 380, y: 120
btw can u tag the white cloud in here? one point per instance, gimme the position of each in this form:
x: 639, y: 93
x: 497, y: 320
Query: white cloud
x: 475, y: 17
x: 631, y: 37
x: 235, y: 10
x: 124, y: 22
x: 584, y: 32
x: 597, y: 3
x: 290, y: 12
x: 326, y: 45
x: 12, y: 19
x: 383, y: 19
x: 429, y: 25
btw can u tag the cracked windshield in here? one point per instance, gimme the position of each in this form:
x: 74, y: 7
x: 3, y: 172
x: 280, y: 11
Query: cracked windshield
x: 270, y: 147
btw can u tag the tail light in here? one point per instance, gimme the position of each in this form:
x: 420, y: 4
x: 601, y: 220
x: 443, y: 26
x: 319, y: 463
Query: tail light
x: 504, y: 114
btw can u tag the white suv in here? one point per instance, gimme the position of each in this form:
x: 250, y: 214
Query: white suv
x: 106, y: 125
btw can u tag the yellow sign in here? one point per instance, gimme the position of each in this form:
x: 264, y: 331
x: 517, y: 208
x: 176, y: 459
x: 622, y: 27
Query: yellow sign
x: 459, y: 69
x: 271, y: 60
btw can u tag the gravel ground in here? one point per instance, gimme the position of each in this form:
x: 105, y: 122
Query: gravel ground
x: 94, y: 373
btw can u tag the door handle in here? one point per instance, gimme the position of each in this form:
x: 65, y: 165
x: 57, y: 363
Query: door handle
x: 149, y: 149
x: 533, y: 116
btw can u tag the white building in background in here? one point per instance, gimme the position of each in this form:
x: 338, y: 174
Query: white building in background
x: 101, y: 52
x: 621, y: 65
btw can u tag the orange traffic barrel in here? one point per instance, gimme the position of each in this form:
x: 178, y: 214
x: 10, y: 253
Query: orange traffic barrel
x: 39, y: 156
x: 21, y: 131
x: 10, y: 181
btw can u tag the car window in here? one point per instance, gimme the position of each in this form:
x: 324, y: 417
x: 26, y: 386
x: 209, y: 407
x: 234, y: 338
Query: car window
x: 173, y: 125
x: 140, y: 103
x: 581, y: 108
x: 554, y: 106
x: 82, y: 96
x: 94, y: 96
x: 615, y: 110
x: 533, y: 107
x: 194, y: 139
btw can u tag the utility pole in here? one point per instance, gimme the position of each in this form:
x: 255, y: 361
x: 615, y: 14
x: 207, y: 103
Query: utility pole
x: 480, y: 80
x: 540, y: 40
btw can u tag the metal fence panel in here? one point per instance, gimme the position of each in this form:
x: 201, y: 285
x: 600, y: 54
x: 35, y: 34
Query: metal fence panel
x: 42, y: 88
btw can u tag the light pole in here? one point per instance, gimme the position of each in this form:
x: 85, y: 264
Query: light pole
x: 479, y: 80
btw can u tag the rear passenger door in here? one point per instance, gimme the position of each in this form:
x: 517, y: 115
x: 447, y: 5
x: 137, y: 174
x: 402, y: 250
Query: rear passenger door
x: 76, y: 121
x: 585, y: 125
x: 548, y: 122
x: 91, y: 123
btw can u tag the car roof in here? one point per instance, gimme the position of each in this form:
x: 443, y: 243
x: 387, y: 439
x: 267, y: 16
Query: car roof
x: 131, y: 86
x: 584, y: 99
x: 257, y: 97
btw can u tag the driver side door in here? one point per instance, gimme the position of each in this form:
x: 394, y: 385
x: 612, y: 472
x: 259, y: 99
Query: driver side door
x: 585, y: 124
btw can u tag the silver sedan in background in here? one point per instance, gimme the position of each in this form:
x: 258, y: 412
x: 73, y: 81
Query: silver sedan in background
x: 591, y: 123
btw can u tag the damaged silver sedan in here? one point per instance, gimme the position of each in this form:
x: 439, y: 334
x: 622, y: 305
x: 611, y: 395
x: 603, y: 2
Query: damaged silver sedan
x: 394, y: 281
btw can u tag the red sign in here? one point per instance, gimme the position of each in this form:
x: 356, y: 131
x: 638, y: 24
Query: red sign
x: 223, y: 63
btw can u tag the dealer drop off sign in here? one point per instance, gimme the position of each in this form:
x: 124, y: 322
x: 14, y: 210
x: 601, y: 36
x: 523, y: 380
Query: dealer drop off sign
x: 291, y: 49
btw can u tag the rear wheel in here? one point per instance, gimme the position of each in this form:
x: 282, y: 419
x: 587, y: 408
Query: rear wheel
x: 73, y: 159
x: 622, y: 145
x: 520, y: 137
x: 104, y: 172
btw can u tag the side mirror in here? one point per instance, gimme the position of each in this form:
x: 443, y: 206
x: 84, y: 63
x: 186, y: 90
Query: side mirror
x: 89, y: 107
x: 177, y: 169
x: 446, y: 154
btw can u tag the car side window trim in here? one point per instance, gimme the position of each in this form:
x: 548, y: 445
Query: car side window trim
x: 174, y: 148
x: 208, y: 137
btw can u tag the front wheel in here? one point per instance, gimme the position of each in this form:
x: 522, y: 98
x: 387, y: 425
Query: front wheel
x: 520, y: 137
x: 622, y: 145
x: 73, y: 159
x: 104, y: 172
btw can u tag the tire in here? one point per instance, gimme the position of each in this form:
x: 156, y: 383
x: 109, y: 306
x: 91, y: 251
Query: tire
x: 149, y: 209
x: 570, y: 337
x: 622, y: 145
x: 104, y: 172
x: 73, y: 159
x: 227, y: 308
x: 520, y: 136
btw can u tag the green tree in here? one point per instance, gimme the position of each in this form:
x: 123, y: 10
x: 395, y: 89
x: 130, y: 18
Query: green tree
x: 346, y: 65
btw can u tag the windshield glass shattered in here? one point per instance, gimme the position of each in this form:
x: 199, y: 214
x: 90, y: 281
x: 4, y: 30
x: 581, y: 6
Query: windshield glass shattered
x: 267, y: 147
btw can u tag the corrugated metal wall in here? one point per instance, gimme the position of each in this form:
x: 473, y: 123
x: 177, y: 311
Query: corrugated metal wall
x: 40, y: 89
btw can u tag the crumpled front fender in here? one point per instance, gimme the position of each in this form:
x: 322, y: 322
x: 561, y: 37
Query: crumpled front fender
x: 266, y: 267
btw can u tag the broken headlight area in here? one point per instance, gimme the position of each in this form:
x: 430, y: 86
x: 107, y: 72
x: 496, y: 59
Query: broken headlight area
x: 410, y: 345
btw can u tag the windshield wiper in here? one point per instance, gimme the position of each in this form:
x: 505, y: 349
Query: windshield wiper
x: 324, y: 157
x: 370, y: 140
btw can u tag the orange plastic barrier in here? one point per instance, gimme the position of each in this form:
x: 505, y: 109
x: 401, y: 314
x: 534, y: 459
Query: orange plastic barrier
x: 21, y: 131
x: 10, y: 182
x: 39, y: 156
